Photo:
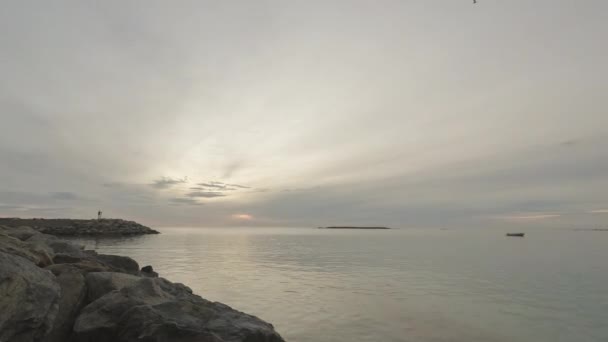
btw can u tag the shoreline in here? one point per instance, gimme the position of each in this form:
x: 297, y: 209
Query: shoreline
x: 54, y: 290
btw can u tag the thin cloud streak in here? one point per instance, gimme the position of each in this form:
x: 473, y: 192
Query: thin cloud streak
x: 599, y: 211
x: 529, y: 217
x: 187, y: 201
x: 205, y: 194
x: 167, y: 182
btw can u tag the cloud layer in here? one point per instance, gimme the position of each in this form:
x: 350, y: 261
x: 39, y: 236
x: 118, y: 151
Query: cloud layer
x: 305, y: 114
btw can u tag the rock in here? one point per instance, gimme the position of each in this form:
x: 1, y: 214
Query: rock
x: 42, y: 251
x: 119, y: 263
x: 72, y: 300
x: 58, y: 269
x: 32, y: 252
x: 101, y: 283
x: 22, y: 233
x: 102, y: 262
x: 58, y: 246
x: 29, y: 298
x: 148, y: 271
x: 84, y: 266
x: 154, y: 309
x: 67, y: 259
x: 13, y: 246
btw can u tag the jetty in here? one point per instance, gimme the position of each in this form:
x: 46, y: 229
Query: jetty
x: 75, y: 227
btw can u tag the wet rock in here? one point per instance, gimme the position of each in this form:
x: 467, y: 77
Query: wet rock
x: 29, y: 298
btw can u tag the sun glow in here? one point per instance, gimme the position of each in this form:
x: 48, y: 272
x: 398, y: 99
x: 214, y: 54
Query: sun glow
x: 242, y: 217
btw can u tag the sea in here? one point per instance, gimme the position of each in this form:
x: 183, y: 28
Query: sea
x: 423, y: 285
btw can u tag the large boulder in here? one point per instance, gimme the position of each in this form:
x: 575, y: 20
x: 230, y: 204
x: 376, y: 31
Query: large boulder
x: 103, y: 262
x: 72, y: 300
x: 119, y: 263
x: 22, y: 233
x: 101, y: 283
x: 57, y: 245
x: 29, y: 300
x: 85, y: 266
x: 38, y: 254
x: 154, y: 309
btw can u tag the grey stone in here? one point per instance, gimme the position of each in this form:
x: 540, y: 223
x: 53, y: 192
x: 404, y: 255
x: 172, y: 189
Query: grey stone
x: 29, y: 300
x: 154, y: 309
x: 114, y: 263
x: 35, y: 253
x: 119, y: 263
x: 148, y: 271
x: 67, y: 259
x: 72, y: 300
x: 57, y: 245
x: 101, y: 283
x: 84, y: 266
x: 22, y: 233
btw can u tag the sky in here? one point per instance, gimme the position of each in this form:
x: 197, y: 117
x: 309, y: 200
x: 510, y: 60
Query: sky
x: 306, y: 113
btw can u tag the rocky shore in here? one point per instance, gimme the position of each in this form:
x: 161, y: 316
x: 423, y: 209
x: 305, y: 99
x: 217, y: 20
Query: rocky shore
x: 71, y: 227
x: 54, y: 291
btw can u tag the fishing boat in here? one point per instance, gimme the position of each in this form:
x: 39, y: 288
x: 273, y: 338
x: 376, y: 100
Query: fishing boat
x: 516, y: 234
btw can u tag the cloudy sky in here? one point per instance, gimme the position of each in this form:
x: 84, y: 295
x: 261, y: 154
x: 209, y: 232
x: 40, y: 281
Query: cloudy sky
x: 305, y: 113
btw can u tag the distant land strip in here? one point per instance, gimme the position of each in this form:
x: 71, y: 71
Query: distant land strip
x: 351, y: 227
x: 75, y: 227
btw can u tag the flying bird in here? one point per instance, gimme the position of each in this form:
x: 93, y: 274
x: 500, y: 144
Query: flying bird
x: 474, y: 1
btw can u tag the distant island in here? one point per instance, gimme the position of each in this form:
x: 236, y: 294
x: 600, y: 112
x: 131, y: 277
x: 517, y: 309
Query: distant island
x: 352, y: 227
x: 74, y: 227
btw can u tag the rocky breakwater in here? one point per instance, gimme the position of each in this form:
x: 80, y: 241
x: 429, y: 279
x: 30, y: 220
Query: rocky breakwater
x: 71, y: 227
x: 52, y: 290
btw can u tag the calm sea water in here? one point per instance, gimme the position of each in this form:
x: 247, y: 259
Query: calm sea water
x: 396, y: 285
